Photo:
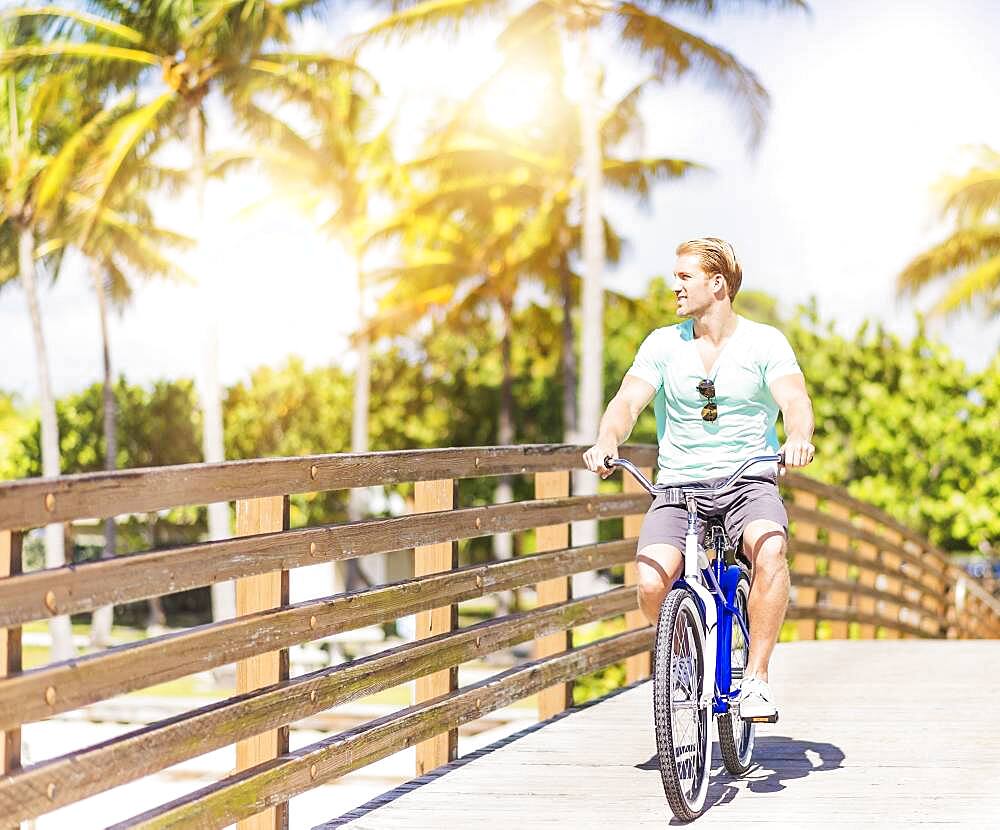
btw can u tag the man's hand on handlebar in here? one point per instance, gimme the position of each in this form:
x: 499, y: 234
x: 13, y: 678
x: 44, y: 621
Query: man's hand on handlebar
x: 594, y: 458
x: 797, y: 452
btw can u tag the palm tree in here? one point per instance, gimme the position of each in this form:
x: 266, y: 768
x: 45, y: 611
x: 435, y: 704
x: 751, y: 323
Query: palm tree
x: 180, y: 53
x: 125, y: 244
x: 43, y: 118
x: 332, y: 169
x: 970, y: 257
x: 671, y: 52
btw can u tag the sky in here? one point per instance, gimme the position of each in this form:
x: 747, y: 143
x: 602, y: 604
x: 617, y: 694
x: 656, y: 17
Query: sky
x: 872, y: 103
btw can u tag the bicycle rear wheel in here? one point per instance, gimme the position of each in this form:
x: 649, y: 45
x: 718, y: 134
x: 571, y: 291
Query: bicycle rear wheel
x: 736, y: 736
x: 683, y: 738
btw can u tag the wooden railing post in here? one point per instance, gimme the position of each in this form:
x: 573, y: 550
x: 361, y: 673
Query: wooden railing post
x: 260, y: 593
x: 804, y: 563
x: 868, y: 553
x: 556, y: 698
x: 430, y: 497
x: 891, y: 583
x: 637, y: 667
x: 839, y: 599
x: 10, y: 651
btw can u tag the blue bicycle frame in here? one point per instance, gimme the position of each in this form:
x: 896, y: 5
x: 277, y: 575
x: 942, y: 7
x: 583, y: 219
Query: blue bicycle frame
x: 712, y: 584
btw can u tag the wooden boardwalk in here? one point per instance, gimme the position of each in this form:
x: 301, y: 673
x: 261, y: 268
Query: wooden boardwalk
x: 887, y: 733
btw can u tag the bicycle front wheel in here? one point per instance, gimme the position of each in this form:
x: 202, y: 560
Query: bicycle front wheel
x: 683, y: 737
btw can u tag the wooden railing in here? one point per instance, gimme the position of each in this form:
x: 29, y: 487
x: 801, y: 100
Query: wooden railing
x: 855, y: 573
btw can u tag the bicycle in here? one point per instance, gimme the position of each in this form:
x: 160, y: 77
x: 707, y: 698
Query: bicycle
x: 701, y: 650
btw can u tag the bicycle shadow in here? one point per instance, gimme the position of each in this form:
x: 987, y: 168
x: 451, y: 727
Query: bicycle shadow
x: 778, y: 760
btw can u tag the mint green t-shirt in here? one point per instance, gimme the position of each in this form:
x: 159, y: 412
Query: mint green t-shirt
x: 691, y: 449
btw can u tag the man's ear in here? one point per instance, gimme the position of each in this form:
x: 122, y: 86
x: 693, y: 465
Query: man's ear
x: 718, y: 282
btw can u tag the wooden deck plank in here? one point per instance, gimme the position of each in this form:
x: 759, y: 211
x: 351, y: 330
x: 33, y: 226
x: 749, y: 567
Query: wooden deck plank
x: 877, y: 732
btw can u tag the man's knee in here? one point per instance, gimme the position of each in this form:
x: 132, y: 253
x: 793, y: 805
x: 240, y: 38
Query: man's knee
x: 766, y: 545
x: 651, y: 588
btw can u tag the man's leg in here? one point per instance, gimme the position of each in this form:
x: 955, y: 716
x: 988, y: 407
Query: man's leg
x: 659, y: 567
x: 765, y: 545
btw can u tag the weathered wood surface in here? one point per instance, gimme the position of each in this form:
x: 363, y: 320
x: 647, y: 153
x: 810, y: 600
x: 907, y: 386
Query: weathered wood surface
x: 553, y: 537
x: 72, y: 589
x: 243, y: 795
x: 253, y: 594
x: 875, y: 733
x: 40, y: 501
x: 55, y: 783
x: 61, y: 687
x: 429, y: 497
x: 10, y: 659
x: 637, y: 667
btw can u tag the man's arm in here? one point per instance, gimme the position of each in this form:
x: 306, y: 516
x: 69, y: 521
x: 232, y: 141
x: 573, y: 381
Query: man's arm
x: 790, y: 393
x: 619, y: 418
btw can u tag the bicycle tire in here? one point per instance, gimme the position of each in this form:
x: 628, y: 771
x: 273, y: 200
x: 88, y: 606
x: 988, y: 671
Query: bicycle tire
x: 682, y: 723
x: 736, y: 736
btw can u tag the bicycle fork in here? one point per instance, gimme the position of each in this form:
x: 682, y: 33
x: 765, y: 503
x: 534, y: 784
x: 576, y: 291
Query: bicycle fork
x: 695, y: 561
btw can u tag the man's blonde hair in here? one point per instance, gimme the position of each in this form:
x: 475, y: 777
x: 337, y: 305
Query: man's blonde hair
x: 717, y: 257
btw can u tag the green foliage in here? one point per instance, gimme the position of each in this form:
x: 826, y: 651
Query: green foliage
x: 900, y: 424
x: 600, y: 683
x: 156, y: 426
x: 904, y: 426
x: 14, y: 426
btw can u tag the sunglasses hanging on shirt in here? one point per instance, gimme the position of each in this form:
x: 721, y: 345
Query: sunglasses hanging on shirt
x: 710, y: 411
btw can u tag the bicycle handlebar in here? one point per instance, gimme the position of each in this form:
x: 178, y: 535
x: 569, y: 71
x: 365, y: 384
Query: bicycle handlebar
x: 654, y: 489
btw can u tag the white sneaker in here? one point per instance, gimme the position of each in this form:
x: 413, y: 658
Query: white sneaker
x: 756, y: 699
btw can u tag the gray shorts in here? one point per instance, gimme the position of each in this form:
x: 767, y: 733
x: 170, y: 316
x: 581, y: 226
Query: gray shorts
x: 751, y: 498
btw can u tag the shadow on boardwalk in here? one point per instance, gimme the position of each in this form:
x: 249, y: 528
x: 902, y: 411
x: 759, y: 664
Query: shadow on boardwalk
x: 777, y: 760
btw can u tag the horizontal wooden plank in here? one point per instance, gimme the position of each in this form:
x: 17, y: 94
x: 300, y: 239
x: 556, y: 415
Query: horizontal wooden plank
x: 243, y: 795
x: 65, y: 686
x: 854, y: 558
x: 856, y: 589
x: 77, y: 588
x: 41, y: 501
x: 61, y: 781
x: 798, y: 481
x: 825, y: 612
x: 818, y: 518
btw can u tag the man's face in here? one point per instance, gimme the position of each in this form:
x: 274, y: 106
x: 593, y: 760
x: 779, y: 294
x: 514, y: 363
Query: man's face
x: 694, y: 288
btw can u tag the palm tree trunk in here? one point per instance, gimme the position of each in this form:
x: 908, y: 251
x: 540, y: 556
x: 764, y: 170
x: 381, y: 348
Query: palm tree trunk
x: 213, y: 448
x: 358, y: 501
x: 568, y: 355
x: 100, y: 625
x: 503, y: 543
x: 592, y: 334
x: 55, y: 553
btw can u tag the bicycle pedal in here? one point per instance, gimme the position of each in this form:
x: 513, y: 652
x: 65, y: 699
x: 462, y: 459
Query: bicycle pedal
x: 763, y: 719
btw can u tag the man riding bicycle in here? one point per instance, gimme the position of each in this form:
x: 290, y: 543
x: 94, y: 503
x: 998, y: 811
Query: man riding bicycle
x: 719, y: 381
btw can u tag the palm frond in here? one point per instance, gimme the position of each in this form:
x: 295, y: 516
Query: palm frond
x: 675, y: 53
x: 636, y: 177
x: 121, y: 142
x: 965, y: 248
x: 980, y: 285
x: 708, y: 8
x: 55, y: 180
x: 975, y: 195
x: 21, y: 56
x: 447, y: 17
x: 90, y: 21
x: 624, y: 120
